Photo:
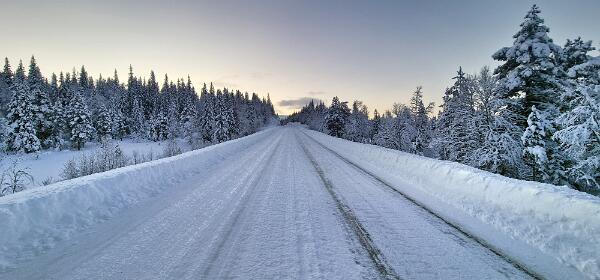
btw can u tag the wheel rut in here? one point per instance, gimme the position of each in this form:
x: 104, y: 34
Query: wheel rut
x: 385, y: 270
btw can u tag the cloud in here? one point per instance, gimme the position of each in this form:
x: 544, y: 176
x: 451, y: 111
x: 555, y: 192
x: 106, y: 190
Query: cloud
x: 259, y: 75
x: 316, y: 93
x: 296, y: 103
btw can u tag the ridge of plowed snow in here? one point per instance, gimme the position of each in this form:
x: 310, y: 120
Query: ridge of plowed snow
x: 35, y: 219
x: 561, y: 223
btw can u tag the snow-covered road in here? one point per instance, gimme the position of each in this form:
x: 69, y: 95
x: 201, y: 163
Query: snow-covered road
x: 284, y: 208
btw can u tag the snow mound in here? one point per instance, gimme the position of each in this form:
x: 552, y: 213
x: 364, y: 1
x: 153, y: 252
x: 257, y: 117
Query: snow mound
x: 34, y: 220
x: 559, y: 223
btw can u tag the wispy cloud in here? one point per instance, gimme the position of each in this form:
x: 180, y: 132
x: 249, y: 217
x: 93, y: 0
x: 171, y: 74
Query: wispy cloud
x: 296, y: 103
x: 259, y: 75
x: 313, y: 93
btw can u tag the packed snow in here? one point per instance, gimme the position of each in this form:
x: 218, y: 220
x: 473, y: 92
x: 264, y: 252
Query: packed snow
x: 35, y: 219
x: 290, y: 202
x: 560, y: 222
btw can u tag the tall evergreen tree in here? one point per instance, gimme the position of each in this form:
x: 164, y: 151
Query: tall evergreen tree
x: 337, y: 117
x: 534, y: 143
x: 454, y: 136
x: 34, y: 76
x: 79, y: 122
x: 21, y: 135
x: 420, y: 114
x: 103, y: 123
x: 578, y: 123
x: 6, y: 79
x: 19, y: 76
x: 529, y: 73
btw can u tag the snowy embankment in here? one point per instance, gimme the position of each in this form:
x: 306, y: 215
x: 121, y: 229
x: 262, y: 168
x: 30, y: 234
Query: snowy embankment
x: 34, y: 220
x: 48, y: 165
x: 552, y: 230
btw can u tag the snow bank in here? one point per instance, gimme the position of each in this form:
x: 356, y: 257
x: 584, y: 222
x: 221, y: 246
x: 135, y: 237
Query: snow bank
x: 35, y: 219
x: 560, y: 224
x: 48, y: 165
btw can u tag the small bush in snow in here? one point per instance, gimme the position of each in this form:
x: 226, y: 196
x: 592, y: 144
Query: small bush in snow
x: 107, y: 158
x: 171, y: 149
x: 14, y: 179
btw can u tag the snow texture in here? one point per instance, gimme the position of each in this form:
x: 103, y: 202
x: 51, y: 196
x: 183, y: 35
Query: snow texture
x: 559, y: 222
x: 34, y: 220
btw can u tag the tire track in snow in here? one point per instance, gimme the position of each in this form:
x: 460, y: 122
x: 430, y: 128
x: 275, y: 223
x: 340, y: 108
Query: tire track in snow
x: 385, y: 270
x: 216, y: 251
x: 518, y: 265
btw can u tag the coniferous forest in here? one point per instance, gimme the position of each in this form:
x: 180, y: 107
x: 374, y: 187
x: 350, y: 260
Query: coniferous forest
x: 70, y: 109
x: 534, y: 117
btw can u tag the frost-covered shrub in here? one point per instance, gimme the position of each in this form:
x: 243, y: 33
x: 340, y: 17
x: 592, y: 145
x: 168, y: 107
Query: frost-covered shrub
x: 14, y: 179
x: 107, y: 158
x: 171, y: 149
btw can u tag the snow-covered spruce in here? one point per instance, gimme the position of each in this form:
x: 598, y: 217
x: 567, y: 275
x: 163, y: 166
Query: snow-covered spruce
x: 536, y: 117
x: 72, y: 109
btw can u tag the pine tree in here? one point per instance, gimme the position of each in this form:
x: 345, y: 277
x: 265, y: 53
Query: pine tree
x: 455, y: 139
x: 222, y: 121
x: 578, y: 134
x: 207, y: 113
x: 79, y: 123
x: 159, y: 127
x: 420, y: 114
x: 120, y: 128
x: 386, y: 132
x: 358, y: 123
x: 535, y: 151
x: 137, y: 120
x: 188, y: 122
x: 34, y: 77
x: 44, y: 118
x: 6, y: 80
x: 374, y: 125
x: 103, y: 124
x: 22, y: 135
x: 54, y: 89
x: 337, y: 117
x: 19, y: 76
x: 529, y: 74
x: 7, y: 75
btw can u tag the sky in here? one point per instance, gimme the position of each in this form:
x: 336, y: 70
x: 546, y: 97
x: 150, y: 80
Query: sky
x: 373, y: 51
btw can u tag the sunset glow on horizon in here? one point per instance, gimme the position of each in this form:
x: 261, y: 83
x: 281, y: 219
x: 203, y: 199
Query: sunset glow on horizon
x: 294, y: 50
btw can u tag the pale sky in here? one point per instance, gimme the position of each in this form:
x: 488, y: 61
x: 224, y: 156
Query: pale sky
x: 374, y: 51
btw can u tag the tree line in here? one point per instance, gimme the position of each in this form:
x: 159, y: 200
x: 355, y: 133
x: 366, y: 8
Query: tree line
x: 71, y: 109
x: 534, y: 117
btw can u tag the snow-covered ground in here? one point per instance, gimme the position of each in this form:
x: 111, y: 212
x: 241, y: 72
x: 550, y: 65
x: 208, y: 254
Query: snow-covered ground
x: 48, y: 165
x: 291, y: 203
x: 550, y: 229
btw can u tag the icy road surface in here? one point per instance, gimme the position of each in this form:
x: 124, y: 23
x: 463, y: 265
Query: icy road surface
x: 285, y: 208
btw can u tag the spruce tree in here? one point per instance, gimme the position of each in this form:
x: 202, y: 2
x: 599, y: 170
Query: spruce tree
x: 103, y: 124
x: 207, y: 113
x: 44, y: 118
x: 455, y: 139
x: 34, y: 76
x: 420, y: 114
x: 19, y: 76
x: 79, y: 122
x: 120, y: 128
x: 578, y: 123
x: 21, y: 135
x: 337, y: 117
x: 6, y: 80
x: 535, y: 151
x: 529, y: 73
x: 159, y: 127
x: 221, y: 123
